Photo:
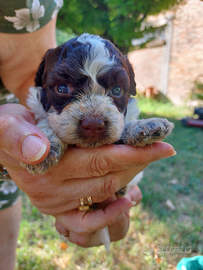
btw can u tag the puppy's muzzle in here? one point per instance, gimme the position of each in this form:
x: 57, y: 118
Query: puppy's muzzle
x: 93, y: 127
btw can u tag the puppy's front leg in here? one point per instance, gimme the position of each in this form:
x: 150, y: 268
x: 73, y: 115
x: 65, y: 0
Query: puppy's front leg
x: 56, y: 151
x: 146, y: 131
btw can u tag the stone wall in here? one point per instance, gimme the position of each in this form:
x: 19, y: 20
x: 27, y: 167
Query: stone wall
x: 186, y: 56
x: 147, y: 64
x: 186, y: 61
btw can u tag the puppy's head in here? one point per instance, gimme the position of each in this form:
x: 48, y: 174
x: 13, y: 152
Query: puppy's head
x: 85, y: 87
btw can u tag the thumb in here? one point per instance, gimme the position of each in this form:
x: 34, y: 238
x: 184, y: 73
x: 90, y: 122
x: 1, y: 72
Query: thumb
x: 22, y: 140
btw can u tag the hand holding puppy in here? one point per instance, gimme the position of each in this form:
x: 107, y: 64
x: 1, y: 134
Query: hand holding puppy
x: 98, y: 171
x: 90, y: 172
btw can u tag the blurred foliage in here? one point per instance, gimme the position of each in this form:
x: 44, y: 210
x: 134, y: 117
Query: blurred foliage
x: 199, y: 85
x: 62, y: 36
x: 117, y: 20
x: 197, y: 92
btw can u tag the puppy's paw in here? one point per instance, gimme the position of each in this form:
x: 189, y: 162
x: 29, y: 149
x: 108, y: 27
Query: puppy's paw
x: 56, y: 152
x: 146, y: 131
x: 57, y: 149
x: 40, y: 168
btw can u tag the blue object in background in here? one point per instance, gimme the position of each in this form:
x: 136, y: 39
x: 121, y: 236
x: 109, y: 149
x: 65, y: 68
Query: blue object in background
x: 194, y: 263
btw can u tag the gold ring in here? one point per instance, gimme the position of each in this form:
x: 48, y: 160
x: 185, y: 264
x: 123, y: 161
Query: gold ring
x: 82, y: 206
x: 89, y: 200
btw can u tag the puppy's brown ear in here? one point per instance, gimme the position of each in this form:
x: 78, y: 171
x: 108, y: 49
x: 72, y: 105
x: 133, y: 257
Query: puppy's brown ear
x: 132, y: 77
x: 40, y: 71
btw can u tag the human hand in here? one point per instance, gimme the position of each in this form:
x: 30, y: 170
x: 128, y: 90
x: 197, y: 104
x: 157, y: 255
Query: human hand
x: 98, y: 172
x: 82, y: 228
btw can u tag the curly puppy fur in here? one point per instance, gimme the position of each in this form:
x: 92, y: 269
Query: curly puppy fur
x: 82, y: 97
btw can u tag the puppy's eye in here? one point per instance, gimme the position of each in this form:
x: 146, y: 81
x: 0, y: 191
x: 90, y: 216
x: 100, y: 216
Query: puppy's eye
x: 116, y: 91
x: 63, y: 88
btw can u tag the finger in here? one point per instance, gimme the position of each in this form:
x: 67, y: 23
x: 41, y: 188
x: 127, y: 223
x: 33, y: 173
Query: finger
x: 66, y: 196
x: 17, y: 110
x: 105, y: 186
x: 119, y: 228
x: 61, y: 229
x: 117, y: 231
x: 134, y: 194
x: 87, y: 222
x: 82, y: 240
x: 22, y: 140
x: 100, y: 161
x: 85, y: 240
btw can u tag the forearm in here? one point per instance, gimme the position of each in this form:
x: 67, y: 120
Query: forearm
x: 20, y: 56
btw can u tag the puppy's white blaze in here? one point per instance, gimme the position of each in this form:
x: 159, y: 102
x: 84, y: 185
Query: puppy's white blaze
x: 98, y: 60
x: 34, y: 103
x: 132, y: 111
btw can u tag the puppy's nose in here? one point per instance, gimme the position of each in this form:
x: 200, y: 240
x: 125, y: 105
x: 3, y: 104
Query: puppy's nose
x: 93, y: 126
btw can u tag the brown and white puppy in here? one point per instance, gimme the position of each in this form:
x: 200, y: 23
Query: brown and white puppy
x: 82, y: 98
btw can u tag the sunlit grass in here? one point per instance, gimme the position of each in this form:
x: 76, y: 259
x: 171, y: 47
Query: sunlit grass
x: 159, y: 107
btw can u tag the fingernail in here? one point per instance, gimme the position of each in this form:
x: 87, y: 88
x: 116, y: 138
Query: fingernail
x: 167, y: 150
x: 174, y: 153
x: 170, y: 153
x: 33, y: 148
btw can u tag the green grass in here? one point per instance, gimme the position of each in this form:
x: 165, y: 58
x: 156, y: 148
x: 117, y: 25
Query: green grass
x: 153, y: 224
x: 159, y: 108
